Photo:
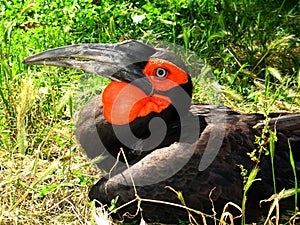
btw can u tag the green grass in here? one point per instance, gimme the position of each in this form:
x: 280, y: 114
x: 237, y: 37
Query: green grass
x: 252, y: 47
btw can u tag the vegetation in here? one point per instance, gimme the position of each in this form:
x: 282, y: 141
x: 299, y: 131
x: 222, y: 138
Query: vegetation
x: 252, y: 46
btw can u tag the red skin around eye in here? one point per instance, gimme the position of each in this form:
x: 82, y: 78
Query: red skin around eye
x: 123, y: 103
x: 175, y: 76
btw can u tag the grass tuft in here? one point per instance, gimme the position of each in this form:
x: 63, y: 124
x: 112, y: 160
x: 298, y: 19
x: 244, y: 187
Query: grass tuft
x: 25, y: 102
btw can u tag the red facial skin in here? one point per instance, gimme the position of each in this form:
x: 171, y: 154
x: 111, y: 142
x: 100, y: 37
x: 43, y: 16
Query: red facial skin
x: 123, y: 102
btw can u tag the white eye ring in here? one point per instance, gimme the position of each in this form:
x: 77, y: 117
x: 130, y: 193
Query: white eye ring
x: 161, y: 72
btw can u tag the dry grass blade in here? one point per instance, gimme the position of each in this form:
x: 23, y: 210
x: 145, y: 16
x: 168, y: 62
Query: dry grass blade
x: 275, y: 205
x: 101, y: 216
x: 226, y: 214
x: 294, y: 219
x: 212, y: 204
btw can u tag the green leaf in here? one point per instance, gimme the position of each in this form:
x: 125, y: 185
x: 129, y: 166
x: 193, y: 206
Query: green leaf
x: 251, y: 178
x: 46, y: 190
x: 113, y: 203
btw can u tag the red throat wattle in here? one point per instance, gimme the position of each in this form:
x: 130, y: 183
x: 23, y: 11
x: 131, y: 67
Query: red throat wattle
x: 124, y: 102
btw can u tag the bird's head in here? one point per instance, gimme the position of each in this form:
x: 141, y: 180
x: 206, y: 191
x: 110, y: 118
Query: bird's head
x: 145, y: 80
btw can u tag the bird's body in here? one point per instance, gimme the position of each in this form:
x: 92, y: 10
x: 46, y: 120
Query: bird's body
x: 198, y: 149
x: 223, y: 177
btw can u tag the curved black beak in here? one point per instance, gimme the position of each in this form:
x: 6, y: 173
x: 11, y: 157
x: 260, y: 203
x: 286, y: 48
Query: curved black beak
x: 120, y: 62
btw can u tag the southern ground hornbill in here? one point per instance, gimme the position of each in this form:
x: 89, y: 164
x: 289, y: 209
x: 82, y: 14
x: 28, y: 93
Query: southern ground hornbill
x: 196, y: 149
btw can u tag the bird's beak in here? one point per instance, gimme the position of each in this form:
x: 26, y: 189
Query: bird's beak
x: 120, y: 62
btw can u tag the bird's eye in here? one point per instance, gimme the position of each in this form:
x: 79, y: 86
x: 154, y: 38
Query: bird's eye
x: 161, y: 72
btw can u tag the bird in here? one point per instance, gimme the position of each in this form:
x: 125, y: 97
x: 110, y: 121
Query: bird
x: 167, y: 146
